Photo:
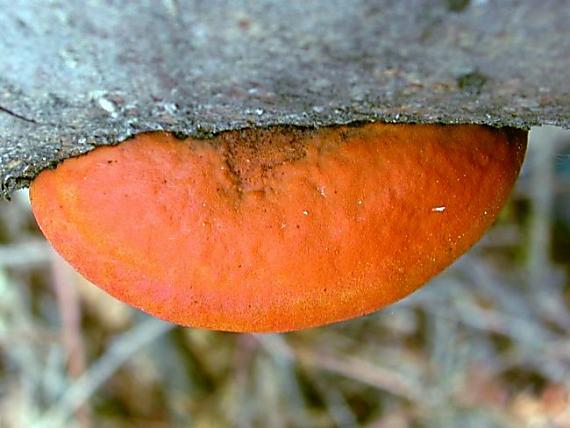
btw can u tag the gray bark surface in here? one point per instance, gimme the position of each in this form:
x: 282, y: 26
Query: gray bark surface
x: 78, y: 74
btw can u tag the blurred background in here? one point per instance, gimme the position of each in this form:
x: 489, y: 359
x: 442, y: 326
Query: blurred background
x: 485, y: 344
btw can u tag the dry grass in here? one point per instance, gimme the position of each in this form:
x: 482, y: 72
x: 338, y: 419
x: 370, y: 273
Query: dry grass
x: 486, y: 344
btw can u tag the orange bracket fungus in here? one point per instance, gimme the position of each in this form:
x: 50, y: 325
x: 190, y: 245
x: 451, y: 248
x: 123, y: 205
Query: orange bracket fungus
x: 276, y: 229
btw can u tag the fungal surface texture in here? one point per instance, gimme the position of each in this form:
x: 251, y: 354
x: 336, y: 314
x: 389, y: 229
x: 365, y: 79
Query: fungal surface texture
x: 276, y: 229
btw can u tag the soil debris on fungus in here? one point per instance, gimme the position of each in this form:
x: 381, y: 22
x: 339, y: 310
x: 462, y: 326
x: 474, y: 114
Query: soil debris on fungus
x: 239, y: 240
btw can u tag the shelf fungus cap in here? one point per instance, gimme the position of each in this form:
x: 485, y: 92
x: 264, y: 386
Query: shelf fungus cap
x: 276, y: 229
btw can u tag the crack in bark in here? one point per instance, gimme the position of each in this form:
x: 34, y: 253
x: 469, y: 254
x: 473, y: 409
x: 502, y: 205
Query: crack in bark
x: 17, y: 116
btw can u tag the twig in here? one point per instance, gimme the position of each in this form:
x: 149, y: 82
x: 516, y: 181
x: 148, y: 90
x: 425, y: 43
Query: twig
x: 285, y: 359
x: 119, y: 352
x: 362, y: 371
x: 335, y: 403
x: 242, y: 410
x: 70, y: 313
x: 541, y: 185
x: 25, y: 254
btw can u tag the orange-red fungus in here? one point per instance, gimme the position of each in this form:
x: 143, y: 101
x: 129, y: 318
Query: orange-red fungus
x: 276, y: 229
